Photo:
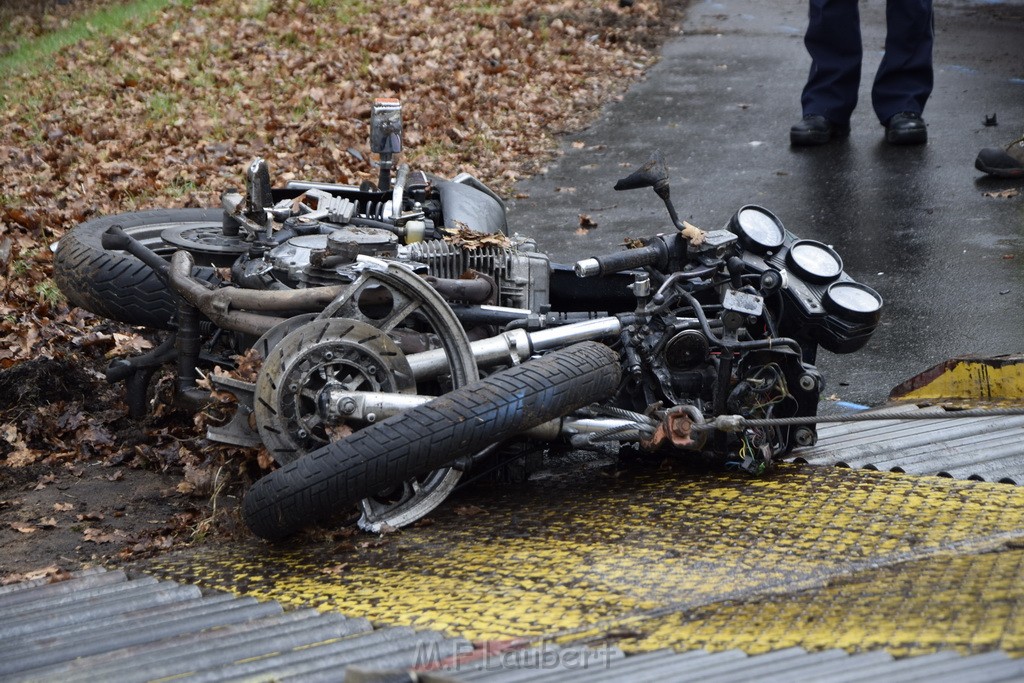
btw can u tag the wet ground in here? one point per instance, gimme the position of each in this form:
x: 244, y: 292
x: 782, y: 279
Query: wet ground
x: 913, y: 222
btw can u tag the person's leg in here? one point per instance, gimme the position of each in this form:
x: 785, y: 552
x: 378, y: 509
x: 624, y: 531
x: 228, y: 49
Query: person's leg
x: 833, y: 42
x: 904, y: 79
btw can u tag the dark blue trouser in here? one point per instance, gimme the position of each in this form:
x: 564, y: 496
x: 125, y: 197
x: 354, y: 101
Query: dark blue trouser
x: 904, y: 79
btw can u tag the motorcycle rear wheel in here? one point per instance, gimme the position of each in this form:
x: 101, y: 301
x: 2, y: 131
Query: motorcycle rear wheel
x: 313, y: 488
x: 115, y: 284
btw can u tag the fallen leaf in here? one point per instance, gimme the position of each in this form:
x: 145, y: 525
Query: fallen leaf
x: 23, y: 528
x: 1003, y: 194
x: 90, y: 517
x: 586, y: 222
x: 45, y: 481
x: 52, y: 572
x: 93, y: 535
x: 48, y: 522
x: 469, y: 510
x: 63, y: 507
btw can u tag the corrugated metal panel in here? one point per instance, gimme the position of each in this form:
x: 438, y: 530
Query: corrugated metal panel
x: 103, y: 625
x: 982, y: 448
x: 782, y: 666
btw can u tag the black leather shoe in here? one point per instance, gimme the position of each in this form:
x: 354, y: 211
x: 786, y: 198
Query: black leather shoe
x: 816, y: 130
x: 906, y: 128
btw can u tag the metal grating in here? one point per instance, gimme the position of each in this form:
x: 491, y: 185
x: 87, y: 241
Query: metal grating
x: 981, y: 448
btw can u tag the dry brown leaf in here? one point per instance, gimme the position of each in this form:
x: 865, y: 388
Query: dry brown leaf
x: 63, y: 507
x: 1008, y: 193
x: 90, y: 517
x: 463, y: 236
x: 52, y: 572
x: 94, y: 535
x: 23, y: 528
x: 45, y: 481
x: 129, y: 344
x: 469, y: 510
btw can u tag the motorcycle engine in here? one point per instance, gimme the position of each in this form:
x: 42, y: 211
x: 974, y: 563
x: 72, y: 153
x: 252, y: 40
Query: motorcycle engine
x: 321, y: 257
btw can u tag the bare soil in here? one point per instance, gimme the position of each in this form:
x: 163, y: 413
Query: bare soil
x: 104, y: 487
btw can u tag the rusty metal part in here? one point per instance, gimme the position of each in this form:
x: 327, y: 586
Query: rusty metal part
x: 677, y: 430
x: 475, y: 289
x: 230, y: 308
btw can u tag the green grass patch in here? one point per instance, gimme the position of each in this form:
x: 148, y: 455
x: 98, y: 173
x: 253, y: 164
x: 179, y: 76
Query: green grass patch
x: 30, y: 55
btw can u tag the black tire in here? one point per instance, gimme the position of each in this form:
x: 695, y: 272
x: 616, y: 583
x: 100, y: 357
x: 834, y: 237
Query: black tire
x: 115, y: 284
x: 316, y: 486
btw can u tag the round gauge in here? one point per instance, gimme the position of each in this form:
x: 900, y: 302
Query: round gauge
x: 853, y: 301
x: 814, y: 261
x: 758, y: 228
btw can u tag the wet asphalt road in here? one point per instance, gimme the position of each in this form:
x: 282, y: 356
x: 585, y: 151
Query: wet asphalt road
x: 912, y: 222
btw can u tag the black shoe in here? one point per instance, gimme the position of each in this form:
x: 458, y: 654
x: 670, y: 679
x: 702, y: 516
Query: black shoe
x: 816, y: 130
x: 906, y: 128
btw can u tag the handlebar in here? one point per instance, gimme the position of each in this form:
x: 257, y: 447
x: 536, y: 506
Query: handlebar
x: 654, y: 254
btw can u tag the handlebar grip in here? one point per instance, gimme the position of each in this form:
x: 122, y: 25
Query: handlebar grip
x: 629, y: 259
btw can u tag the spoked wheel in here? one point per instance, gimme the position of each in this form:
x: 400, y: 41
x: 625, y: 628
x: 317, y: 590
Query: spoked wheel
x: 348, y: 347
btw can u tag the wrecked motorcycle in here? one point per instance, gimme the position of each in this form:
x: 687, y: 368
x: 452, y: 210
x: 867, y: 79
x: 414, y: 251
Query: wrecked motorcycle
x: 405, y: 338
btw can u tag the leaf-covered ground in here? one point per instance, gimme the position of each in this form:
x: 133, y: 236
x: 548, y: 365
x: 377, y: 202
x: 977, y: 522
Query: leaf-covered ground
x: 166, y: 112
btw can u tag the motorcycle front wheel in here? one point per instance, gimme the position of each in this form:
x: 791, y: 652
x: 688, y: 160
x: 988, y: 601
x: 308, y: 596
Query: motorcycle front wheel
x: 315, y: 487
x: 114, y: 284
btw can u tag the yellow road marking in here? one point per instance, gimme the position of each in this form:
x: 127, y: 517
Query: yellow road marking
x: 817, y: 557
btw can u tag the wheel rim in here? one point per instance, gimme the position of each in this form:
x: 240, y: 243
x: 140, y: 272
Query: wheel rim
x: 308, y: 360
x: 399, y: 297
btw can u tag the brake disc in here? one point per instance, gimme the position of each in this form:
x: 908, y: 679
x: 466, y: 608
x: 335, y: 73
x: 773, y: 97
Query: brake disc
x: 382, y: 299
x: 321, y: 353
x: 207, y: 243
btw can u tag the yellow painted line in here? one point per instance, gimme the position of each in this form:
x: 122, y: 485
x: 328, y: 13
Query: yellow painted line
x: 818, y: 557
x: 985, y: 379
